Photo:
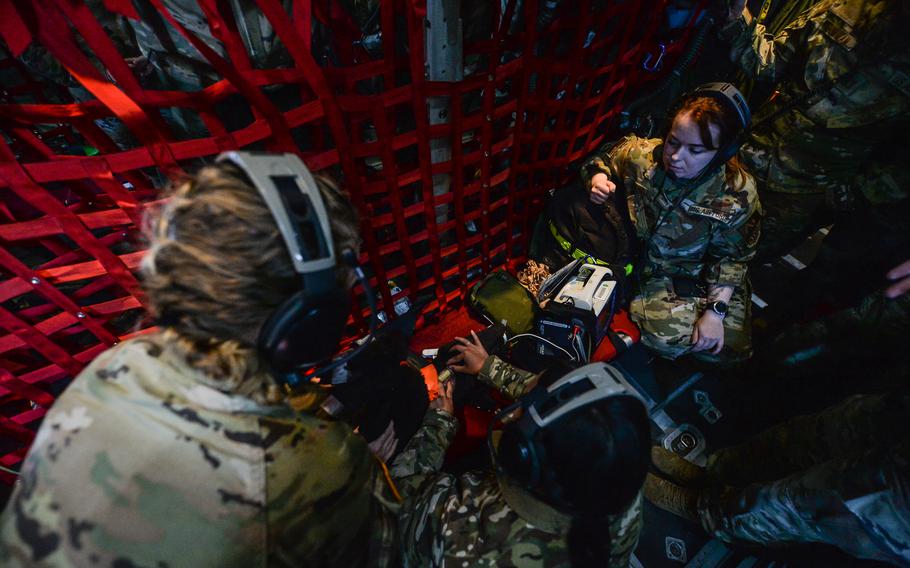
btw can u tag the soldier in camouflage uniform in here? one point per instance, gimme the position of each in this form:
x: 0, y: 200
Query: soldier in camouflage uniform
x: 177, y: 448
x: 479, y: 518
x: 145, y: 461
x: 838, y: 477
x: 697, y: 235
x: 826, y: 139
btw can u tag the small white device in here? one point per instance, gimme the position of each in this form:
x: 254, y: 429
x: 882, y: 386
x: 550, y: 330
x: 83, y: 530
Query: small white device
x: 589, y: 288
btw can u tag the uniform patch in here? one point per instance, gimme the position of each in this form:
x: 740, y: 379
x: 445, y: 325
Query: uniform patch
x: 722, y: 216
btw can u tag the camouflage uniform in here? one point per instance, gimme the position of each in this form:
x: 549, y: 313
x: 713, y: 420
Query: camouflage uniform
x: 143, y: 462
x: 840, y: 477
x: 707, y: 239
x: 465, y: 520
x: 843, y: 69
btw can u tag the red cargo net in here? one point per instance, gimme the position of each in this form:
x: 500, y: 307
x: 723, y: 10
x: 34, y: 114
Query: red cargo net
x: 81, y: 156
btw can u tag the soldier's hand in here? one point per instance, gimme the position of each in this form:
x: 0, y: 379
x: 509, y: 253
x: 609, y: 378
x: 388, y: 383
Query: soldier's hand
x: 384, y: 446
x: 708, y: 333
x: 444, y: 401
x: 901, y: 273
x: 601, y: 188
x: 471, y: 355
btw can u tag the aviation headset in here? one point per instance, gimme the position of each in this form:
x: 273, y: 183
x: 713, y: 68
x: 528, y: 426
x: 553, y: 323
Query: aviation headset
x: 304, y: 331
x: 579, y: 388
x: 730, y: 98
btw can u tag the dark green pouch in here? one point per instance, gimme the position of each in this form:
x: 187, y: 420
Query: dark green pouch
x: 501, y: 298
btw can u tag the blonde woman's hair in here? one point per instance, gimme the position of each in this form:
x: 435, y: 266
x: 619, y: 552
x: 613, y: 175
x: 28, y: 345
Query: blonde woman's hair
x: 217, y: 267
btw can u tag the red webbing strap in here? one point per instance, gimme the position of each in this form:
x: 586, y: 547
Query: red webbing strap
x: 52, y: 294
x: 82, y: 188
x: 16, y: 431
x: 341, y: 26
x: 13, y: 429
x: 303, y: 21
x: 99, y: 171
x: 70, y: 224
x: 634, y: 68
x: 122, y: 7
x: 387, y: 23
x: 95, y: 169
x: 23, y: 390
x: 390, y: 176
x: 91, y: 269
x: 12, y: 29
x: 63, y: 323
x: 53, y: 372
x: 224, y: 28
x: 332, y: 112
x: 47, y: 348
x: 514, y: 195
x: 45, y: 226
x: 106, y: 51
x: 589, y: 100
x: 21, y: 184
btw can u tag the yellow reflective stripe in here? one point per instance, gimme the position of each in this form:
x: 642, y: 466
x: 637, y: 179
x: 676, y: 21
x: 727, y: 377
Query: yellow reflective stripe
x: 559, y: 238
x: 572, y: 250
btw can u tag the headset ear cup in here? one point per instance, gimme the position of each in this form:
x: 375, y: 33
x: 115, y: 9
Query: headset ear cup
x: 513, y: 455
x: 518, y: 456
x: 304, y: 330
x: 728, y: 96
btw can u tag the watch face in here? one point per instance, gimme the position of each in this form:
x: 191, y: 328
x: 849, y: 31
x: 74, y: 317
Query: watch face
x: 720, y: 308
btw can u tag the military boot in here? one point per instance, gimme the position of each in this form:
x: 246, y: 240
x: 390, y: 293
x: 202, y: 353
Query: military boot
x: 676, y: 468
x: 668, y: 496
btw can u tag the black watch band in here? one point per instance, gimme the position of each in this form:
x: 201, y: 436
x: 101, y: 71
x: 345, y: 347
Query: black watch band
x: 719, y: 308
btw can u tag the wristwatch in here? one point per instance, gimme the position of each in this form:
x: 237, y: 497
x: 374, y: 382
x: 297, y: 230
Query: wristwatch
x: 719, y: 308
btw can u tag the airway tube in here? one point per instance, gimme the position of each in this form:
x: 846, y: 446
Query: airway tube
x: 536, y: 98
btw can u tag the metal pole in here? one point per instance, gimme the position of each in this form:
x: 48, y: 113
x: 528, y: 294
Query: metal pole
x: 444, y: 51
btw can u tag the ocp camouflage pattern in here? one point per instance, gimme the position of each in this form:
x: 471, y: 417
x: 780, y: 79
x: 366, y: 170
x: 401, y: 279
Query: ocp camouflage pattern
x: 143, y: 462
x: 848, y: 63
x: 708, y: 238
x: 839, y: 476
x: 464, y: 520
